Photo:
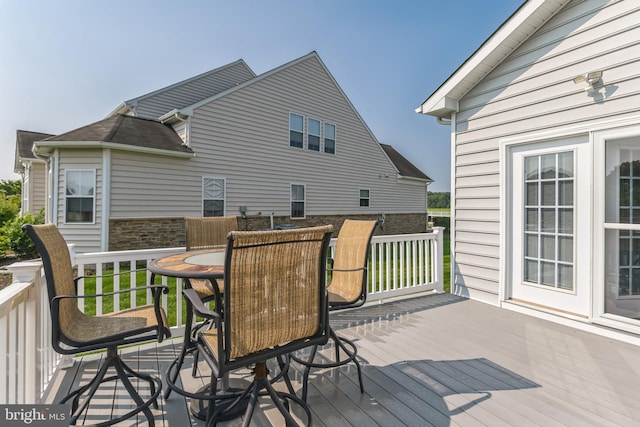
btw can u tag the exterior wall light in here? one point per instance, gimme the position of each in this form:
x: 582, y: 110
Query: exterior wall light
x: 592, y: 79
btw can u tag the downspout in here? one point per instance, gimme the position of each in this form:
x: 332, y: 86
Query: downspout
x: 50, y: 188
x: 443, y: 121
x: 106, y: 200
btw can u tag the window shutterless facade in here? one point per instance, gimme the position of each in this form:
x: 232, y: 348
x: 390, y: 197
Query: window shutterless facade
x: 313, y: 139
x: 364, y: 198
x: 317, y: 136
x: 298, y: 201
x: 330, y: 138
x: 296, y: 130
x: 80, y: 201
x: 213, y: 196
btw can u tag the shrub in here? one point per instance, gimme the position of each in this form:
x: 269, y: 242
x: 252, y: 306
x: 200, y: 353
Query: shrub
x: 17, y: 240
x: 9, y: 207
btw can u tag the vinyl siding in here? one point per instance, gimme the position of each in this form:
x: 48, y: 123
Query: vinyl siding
x: 38, y: 187
x: 532, y: 90
x: 85, y: 236
x: 244, y: 137
x: 153, y: 186
x: 158, y: 103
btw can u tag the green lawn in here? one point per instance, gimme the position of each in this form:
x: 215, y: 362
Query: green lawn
x: 141, y: 296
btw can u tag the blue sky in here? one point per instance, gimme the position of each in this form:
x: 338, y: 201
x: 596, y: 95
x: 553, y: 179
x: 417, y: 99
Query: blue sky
x: 65, y: 64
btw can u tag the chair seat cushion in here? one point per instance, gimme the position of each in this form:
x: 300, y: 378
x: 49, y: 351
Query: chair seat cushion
x: 203, y: 288
x: 117, y: 324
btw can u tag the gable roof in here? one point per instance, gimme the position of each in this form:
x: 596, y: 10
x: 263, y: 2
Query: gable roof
x: 404, y: 166
x: 25, y: 140
x: 24, y: 145
x: 529, y: 17
x: 121, y: 132
x: 191, y: 88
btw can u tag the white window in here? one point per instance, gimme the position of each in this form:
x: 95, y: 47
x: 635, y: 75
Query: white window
x: 213, y: 196
x: 80, y: 201
x: 548, y: 220
x: 364, y: 197
x: 296, y: 130
x: 313, y: 139
x: 329, y: 138
x: 298, y: 200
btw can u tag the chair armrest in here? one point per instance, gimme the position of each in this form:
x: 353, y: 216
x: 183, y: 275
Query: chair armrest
x: 154, y: 288
x: 109, y: 275
x: 346, y: 269
x: 198, y: 306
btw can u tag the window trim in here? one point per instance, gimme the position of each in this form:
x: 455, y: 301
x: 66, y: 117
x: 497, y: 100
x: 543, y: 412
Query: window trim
x: 324, y: 137
x: 93, y: 196
x: 368, y: 198
x: 319, y: 135
x: 304, y: 200
x: 224, y: 189
x: 291, y: 113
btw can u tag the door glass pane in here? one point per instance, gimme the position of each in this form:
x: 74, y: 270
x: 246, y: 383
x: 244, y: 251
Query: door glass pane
x: 549, y: 224
x: 622, y: 242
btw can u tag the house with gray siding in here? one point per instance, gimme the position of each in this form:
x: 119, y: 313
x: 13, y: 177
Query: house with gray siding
x: 545, y: 144
x: 286, y: 147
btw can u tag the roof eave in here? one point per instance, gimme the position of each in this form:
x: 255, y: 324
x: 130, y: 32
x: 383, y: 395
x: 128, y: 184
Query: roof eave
x: 46, y: 147
x: 527, y: 19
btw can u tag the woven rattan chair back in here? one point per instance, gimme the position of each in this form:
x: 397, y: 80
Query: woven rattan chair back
x: 348, y: 286
x: 274, y: 288
x: 208, y: 232
x: 60, y: 281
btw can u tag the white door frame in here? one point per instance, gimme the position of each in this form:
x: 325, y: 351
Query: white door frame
x: 574, y: 303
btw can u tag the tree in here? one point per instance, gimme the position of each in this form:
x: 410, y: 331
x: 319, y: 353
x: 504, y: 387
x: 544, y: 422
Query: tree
x: 11, y: 187
x: 439, y: 199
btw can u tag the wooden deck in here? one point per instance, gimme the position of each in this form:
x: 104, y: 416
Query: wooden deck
x: 434, y: 360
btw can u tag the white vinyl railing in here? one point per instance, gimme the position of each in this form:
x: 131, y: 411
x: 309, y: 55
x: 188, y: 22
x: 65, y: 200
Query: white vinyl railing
x: 399, y: 265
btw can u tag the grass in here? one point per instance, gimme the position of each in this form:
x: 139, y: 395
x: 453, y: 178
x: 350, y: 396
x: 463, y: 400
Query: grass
x: 140, y: 278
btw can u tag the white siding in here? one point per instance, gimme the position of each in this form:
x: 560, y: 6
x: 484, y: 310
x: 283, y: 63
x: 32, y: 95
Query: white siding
x: 85, y: 236
x: 38, y: 186
x: 533, y: 90
x: 244, y: 137
x: 187, y: 93
x: 153, y: 186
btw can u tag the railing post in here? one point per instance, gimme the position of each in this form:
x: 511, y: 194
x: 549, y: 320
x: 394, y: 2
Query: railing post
x: 439, y: 261
x: 29, y: 272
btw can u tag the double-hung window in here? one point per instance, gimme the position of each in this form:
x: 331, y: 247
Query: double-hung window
x: 213, y: 196
x: 296, y: 130
x: 329, y: 138
x: 80, y: 201
x: 314, y: 135
x: 298, y: 200
x: 364, y: 197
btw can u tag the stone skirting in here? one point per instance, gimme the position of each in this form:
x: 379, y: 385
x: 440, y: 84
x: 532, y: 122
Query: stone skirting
x: 146, y: 233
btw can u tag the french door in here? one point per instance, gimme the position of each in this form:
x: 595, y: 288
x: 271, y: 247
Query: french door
x: 618, y: 185
x: 550, y: 235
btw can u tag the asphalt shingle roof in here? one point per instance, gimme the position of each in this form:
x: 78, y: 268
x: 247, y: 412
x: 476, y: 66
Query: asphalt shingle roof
x: 25, y: 140
x: 128, y: 130
x: 404, y: 166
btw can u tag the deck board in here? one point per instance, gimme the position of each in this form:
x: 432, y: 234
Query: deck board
x: 433, y: 360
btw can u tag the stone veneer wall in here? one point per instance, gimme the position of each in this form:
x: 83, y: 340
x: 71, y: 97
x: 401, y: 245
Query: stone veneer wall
x: 132, y: 234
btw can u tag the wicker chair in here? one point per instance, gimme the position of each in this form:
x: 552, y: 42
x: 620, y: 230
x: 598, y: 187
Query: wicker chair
x: 347, y: 289
x: 275, y: 302
x: 207, y: 233
x: 76, y: 332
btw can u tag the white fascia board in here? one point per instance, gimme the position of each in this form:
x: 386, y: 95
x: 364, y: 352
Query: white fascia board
x: 509, y: 36
x: 48, y: 147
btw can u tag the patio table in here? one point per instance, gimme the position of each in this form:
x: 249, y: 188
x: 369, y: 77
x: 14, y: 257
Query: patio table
x: 200, y: 264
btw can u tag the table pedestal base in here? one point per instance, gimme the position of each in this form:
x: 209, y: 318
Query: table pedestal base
x: 199, y: 408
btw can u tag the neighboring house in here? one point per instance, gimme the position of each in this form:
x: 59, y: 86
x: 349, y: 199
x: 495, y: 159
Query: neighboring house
x: 284, y: 147
x: 33, y: 171
x: 545, y: 120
